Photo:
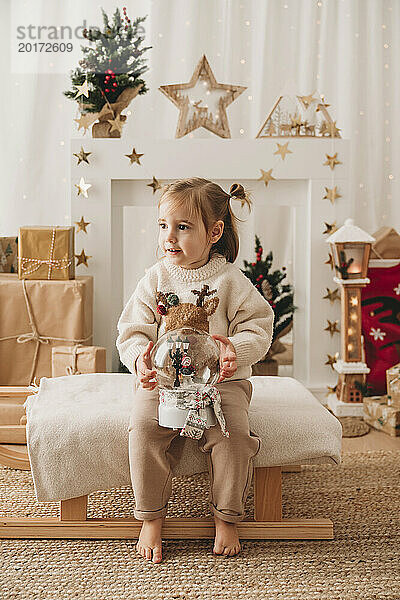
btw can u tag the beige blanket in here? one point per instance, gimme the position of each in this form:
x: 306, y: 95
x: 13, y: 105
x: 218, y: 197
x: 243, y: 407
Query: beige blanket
x: 77, y: 432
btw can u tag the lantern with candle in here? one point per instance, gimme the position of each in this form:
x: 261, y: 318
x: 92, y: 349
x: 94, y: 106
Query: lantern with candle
x: 350, y: 248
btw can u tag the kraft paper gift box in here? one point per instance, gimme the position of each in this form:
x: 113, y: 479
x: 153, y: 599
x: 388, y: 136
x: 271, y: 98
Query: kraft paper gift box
x: 393, y: 384
x: 46, y: 253
x: 37, y: 315
x: 380, y: 415
x: 387, y: 243
x: 74, y: 360
x: 8, y: 255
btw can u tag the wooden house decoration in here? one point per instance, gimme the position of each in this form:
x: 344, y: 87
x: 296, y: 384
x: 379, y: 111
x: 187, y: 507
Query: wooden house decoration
x: 299, y: 116
x: 350, y: 249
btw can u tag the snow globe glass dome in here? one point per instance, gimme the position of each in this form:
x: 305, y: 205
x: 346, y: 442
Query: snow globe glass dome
x: 185, y: 358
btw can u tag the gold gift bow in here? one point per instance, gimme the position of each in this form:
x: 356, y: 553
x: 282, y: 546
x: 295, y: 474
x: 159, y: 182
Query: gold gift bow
x: 53, y: 263
x: 34, y: 334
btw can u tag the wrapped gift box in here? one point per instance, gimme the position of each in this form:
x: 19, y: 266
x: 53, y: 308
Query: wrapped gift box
x: 387, y: 243
x: 380, y: 415
x: 37, y: 315
x: 46, y: 253
x: 393, y: 384
x: 8, y: 255
x: 74, y: 360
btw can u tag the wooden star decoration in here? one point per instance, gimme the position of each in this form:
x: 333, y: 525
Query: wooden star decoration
x: 322, y: 105
x: 330, y: 227
x: 155, y: 184
x: 332, y: 295
x: 283, y: 150
x: 332, y: 129
x: 82, y: 224
x: 331, y: 194
x: 331, y: 390
x: 332, y: 161
x: 332, y: 359
x: 196, y: 113
x: 332, y: 327
x: 116, y: 124
x: 307, y: 100
x: 266, y: 177
x: 330, y: 261
x: 83, y: 187
x: 86, y: 120
x: 134, y: 157
x: 82, y: 259
x: 83, y: 90
x: 82, y: 156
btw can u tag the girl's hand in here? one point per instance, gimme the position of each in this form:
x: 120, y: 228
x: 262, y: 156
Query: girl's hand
x: 227, y: 358
x: 145, y: 369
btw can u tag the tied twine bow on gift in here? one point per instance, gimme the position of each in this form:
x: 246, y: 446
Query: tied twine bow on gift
x: 195, y: 402
x: 35, y: 263
x: 33, y: 336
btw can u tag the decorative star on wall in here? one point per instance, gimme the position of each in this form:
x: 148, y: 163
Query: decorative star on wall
x: 82, y: 156
x: 134, y: 157
x: 283, y: 150
x: 82, y: 224
x: 82, y: 258
x: 83, y: 187
x: 266, y: 177
x: 155, y: 184
x: 330, y: 227
x: 331, y: 194
x: 332, y: 161
x: 332, y: 327
x: 194, y: 113
x: 331, y: 360
x: 332, y: 295
x: 330, y: 261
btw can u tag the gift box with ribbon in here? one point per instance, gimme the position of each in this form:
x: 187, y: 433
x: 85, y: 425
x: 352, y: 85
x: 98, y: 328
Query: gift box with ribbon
x: 393, y: 385
x: 46, y: 253
x: 378, y: 413
x: 77, y: 359
x: 37, y: 315
x: 386, y: 245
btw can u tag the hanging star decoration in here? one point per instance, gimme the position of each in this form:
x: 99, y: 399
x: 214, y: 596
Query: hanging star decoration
x: 332, y: 359
x: 322, y: 104
x: 331, y: 128
x: 283, y: 150
x: 83, y: 90
x: 332, y: 161
x: 307, y: 100
x: 82, y: 258
x: 330, y: 227
x: 196, y: 112
x: 116, y: 124
x: 331, y: 194
x: 331, y: 390
x: 83, y: 187
x: 332, y: 327
x: 332, y: 295
x: 266, y: 177
x: 82, y: 224
x: 86, y: 120
x: 134, y: 157
x: 330, y: 261
x: 82, y: 156
x: 155, y: 184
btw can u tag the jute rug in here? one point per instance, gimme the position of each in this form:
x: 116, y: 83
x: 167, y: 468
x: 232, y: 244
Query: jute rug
x: 361, y: 496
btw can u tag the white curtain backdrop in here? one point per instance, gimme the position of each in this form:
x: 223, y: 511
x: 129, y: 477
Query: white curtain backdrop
x: 346, y: 49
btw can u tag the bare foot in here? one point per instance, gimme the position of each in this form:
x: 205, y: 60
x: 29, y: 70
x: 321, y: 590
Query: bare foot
x: 150, y: 540
x: 226, y: 538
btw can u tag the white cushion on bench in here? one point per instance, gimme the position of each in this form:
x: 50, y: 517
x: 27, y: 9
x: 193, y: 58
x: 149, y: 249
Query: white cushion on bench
x: 77, y: 432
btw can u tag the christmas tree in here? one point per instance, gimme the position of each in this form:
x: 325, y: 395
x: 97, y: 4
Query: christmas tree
x: 114, y: 62
x: 269, y: 285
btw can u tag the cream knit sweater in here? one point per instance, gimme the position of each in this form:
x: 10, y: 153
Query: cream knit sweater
x: 242, y: 315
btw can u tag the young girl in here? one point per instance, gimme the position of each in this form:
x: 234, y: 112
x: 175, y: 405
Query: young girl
x: 199, y: 239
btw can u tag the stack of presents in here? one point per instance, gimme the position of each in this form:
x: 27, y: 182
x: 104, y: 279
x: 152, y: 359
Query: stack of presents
x: 46, y: 321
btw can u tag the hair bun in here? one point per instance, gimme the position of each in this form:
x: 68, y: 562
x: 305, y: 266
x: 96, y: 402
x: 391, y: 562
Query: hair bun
x: 237, y: 190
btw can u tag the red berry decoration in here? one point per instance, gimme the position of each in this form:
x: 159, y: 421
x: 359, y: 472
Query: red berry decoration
x: 107, y: 90
x: 161, y: 309
x: 114, y: 84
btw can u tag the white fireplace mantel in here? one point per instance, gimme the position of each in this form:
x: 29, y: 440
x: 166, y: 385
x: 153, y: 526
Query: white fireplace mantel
x: 218, y: 159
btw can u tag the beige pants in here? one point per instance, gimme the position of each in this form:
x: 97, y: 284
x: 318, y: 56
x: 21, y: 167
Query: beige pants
x: 154, y: 450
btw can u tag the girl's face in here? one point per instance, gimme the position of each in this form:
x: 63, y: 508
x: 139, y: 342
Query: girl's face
x: 188, y: 239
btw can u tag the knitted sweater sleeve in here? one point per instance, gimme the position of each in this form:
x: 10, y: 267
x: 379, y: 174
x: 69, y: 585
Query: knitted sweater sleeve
x: 251, y: 329
x: 137, y: 324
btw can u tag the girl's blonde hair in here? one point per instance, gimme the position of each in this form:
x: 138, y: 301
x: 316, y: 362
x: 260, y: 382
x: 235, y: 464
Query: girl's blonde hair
x: 207, y: 201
